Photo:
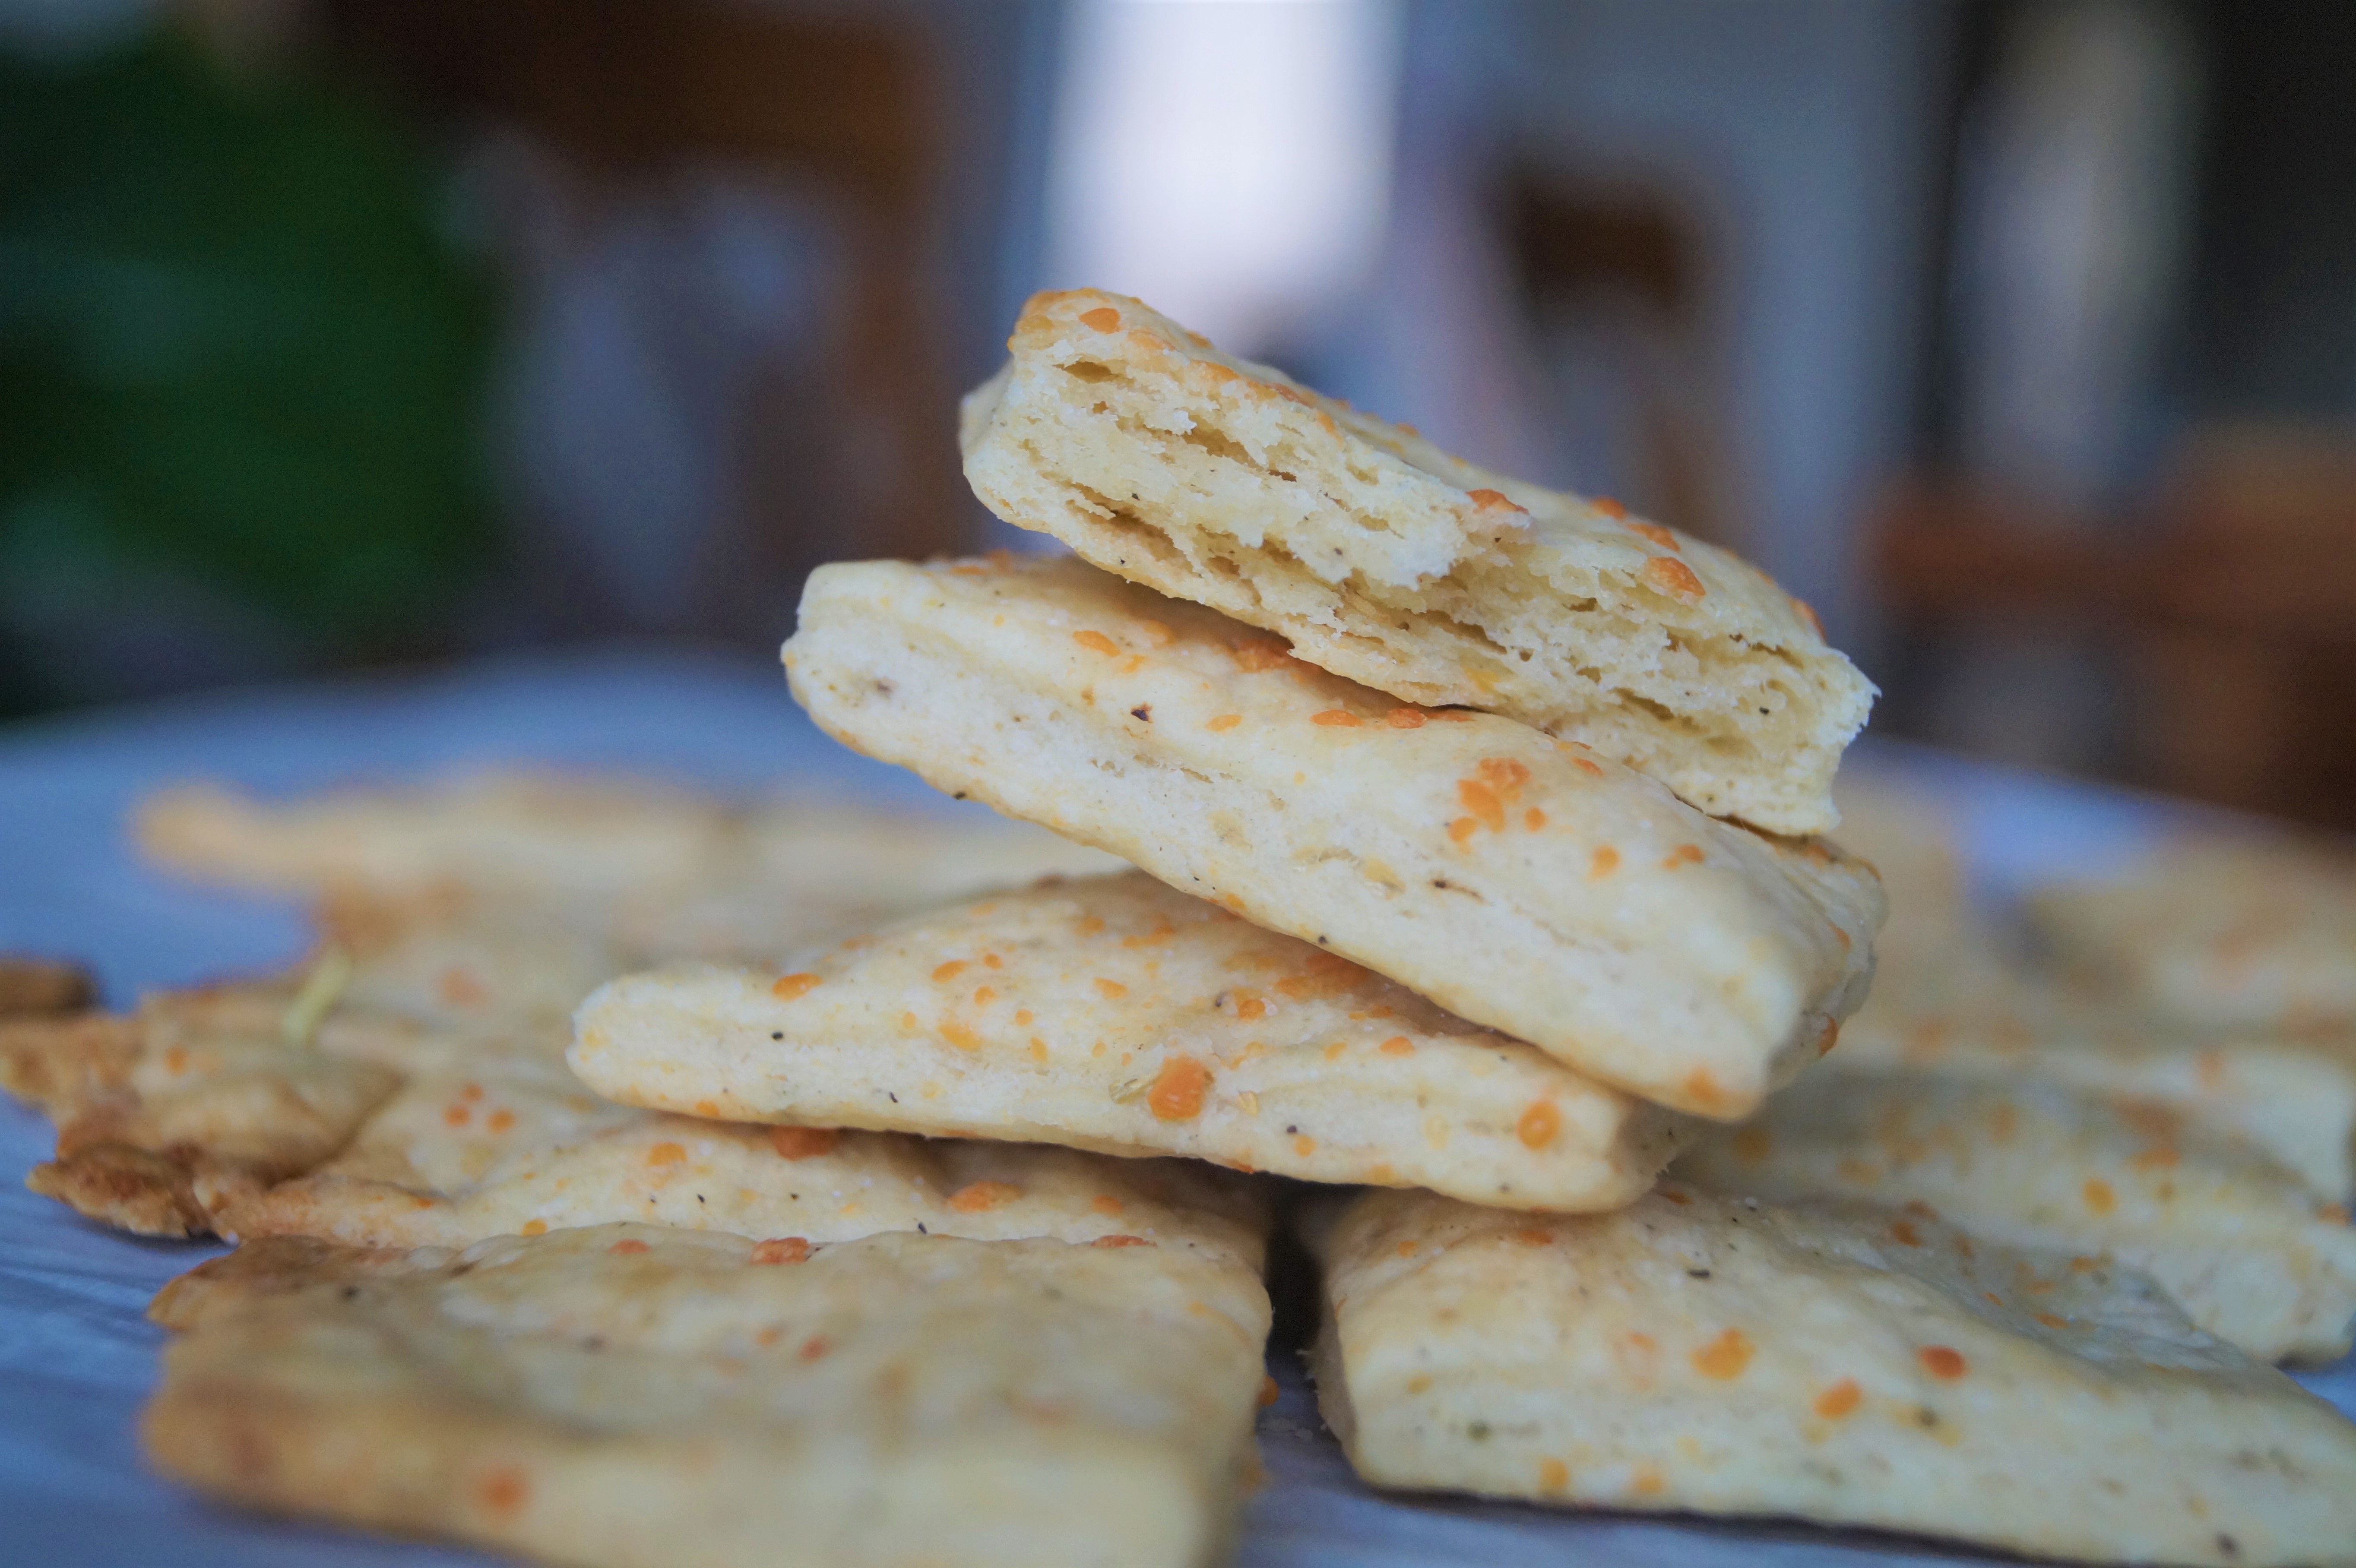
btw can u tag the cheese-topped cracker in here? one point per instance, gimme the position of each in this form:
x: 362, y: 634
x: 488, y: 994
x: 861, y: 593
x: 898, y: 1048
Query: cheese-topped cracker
x: 1119, y: 1015
x: 1716, y: 1355
x: 2220, y: 932
x: 2243, y: 1246
x: 1518, y: 880
x: 1384, y: 558
x: 2293, y: 1098
x: 637, y: 1397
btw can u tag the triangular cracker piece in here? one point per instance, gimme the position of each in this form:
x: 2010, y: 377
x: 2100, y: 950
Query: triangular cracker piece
x: 1518, y: 881
x: 1384, y: 558
x: 1116, y: 1014
x: 1716, y: 1355
x: 639, y: 1397
x: 2221, y: 933
x: 2242, y: 1245
x: 2295, y: 1099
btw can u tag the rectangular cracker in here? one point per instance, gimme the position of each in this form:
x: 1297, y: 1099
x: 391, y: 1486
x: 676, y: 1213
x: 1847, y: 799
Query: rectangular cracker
x: 1716, y: 1355
x: 637, y: 1397
x: 1383, y: 559
x: 2293, y: 1099
x: 1518, y: 881
x: 2241, y: 1243
x: 2221, y: 933
x: 1117, y: 1014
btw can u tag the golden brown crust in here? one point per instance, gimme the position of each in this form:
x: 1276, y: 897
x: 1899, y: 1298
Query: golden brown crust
x: 39, y: 987
x: 140, y: 1191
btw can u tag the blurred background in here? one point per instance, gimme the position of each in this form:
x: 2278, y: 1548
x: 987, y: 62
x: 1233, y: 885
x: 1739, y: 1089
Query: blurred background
x: 2018, y: 338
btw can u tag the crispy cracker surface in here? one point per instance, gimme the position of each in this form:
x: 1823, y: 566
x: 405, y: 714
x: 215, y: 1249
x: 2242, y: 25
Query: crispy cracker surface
x: 1384, y: 558
x: 632, y: 1395
x: 1716, y: 1355
x: 1518, y: 881
x: 1117, y: 1014
x: 2242, y: 1245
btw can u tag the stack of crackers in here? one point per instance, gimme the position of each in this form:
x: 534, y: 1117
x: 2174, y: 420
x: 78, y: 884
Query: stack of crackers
x: 898, y: 1193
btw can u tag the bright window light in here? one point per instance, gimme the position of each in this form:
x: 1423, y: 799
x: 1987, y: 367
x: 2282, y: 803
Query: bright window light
x: 1227, y: 161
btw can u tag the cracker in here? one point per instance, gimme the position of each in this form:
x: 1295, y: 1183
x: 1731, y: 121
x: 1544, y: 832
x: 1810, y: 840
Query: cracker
x: 1715, y: 1355
x: 42, y: 987
x: 1119, y: 1015
x: 1383, y: 559
x: 2293, y: 1099
x: 1518, y: 881
x: 2240, y: 1243
x: 2218, y: 932
x: 635, y: 1396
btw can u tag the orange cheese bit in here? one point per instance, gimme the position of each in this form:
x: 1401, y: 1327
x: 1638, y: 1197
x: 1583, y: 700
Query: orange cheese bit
x: 457, y: 1115
x: 1398, y: 1045
x: 1482, y: 801
x: 813, y: 1348
x: 500, y: 1121
x: 470, y: 1091
x: 1106, y: 1203
x: 1335, y: 718
x: 989, y: 960
x: 1602, y: 863
x: 1554, y: 1475
x: 535, y: 1228
x: 626, y: 1246
x: 1539, y: 1125
x: 2051, y: 1321
x: 666, y: 1153
x: 1223, y: 723
x: 1608, y: 507
x: 1702, y: 1087
x: 2100, y: 1198
x: 1097, y: 643
x: 1113, y: 989
x: 1658, y: 535
x: 1333, y: 1052
x: 907, y: 1021
x: 804, y: 1143
x: 980, y: 1197
x: 1648, y: 1482
x: 1534, y: 819
x: 1323, y: 974
x: 1104, y: 318
x: 1022, y: 1016
x: 1504, y: 775
x: 504, y: 1489
x: 1090, y: 925
x: 983, y: 995
x: 1673, y: 576
x: 782, y: 1250
x: 1404, y: 719
x: 1304, y: 1146
x: 1725, y: 1357
x: 1120, y: 1241
x: 1178, y: 1090
x: 1533, y: 1238
x: 1683, y: 854
x: 1462, y: 828
x: 1154, y: 938
x: 1942, y: 1363
x: 948, y: 971
x: 2156, y: 1158
x: 1248, y: 1007
x: 959, y: 1035
x: 1493, y: 501
x: 1268, y: 1391
x: 177, y: 1059
x: 1903, y: 1233
x: 1839, y: 1400
x: 1256, y: 655
x: 1038, y: 1048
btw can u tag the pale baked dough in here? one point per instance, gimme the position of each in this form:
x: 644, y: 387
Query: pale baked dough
x: 637, y: 1397
x: 1119, y: 1015
x: 2243, y: 1246
x: 1715, y: 1355
x: 1518, y: 880
x: 1384, y: 558
x: 2219, y: 933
